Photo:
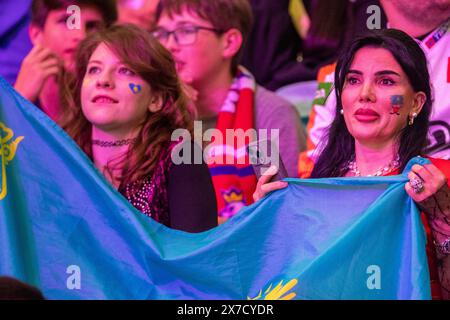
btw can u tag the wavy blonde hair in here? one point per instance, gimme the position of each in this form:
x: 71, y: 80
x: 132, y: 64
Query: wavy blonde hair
x: 153, y: 63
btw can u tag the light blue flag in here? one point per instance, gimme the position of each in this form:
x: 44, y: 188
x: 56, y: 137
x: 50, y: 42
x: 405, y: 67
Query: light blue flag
x: 64, y: 229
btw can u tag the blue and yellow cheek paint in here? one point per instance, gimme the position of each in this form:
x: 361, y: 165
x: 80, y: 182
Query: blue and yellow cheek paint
x: 135, y: 88
x: 396, y: 104
x: 86, y: 82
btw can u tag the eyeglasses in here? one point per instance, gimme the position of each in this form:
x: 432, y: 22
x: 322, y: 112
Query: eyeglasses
x: 185, y: 35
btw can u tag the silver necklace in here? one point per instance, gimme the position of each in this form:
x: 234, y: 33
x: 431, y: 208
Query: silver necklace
x: 391, y: 166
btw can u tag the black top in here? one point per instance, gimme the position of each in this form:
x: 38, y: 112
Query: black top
x: 180, y: 196
x: 192, y: 200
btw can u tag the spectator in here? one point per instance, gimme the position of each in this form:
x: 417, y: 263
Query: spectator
x: 383, y: 95
x: 54, y: 45
x: 126, y: 104
x: 205, y: 38
x: 429, y: 23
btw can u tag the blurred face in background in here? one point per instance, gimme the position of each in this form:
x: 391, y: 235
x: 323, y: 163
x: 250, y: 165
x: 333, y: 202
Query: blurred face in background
x: 424, y: 11
x: 138, y: 12
x: 59, y: 38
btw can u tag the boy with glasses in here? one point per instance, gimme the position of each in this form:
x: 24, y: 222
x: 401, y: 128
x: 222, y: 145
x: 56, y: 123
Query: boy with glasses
x: 206, y: 39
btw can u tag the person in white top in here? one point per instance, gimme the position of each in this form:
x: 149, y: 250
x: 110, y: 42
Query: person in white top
x: 432, y: 31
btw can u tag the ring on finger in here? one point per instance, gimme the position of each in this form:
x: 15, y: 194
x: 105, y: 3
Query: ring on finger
x: 417, y: 185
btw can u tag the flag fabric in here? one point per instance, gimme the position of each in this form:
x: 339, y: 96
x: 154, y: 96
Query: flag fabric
x: 64, y: 229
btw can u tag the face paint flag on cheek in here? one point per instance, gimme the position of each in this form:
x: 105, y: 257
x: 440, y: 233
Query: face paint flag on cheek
x: 135, y: 88
x: 396, y: 103
x: 86, y: 82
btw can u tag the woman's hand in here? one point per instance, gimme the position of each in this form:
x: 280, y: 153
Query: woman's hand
x: 432, y: 195
x: 434, y: 201
x: 428, y: 180
x: 263, y: 186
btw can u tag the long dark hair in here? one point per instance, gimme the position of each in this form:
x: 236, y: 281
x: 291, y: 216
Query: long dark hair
x: 148, y: 58
x: 339, y: 143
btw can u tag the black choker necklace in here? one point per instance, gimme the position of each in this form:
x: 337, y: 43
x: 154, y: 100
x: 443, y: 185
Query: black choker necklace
x: 117, y: 143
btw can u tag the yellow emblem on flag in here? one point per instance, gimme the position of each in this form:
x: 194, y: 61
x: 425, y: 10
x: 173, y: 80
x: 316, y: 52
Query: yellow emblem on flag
x: 280, y: 292
x: 8, y: 148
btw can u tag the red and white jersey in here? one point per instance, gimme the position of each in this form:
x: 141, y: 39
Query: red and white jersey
x: 437, y: 50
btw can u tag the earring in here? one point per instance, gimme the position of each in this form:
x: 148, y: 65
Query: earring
x: 411, y: 118
x: 342, y: 111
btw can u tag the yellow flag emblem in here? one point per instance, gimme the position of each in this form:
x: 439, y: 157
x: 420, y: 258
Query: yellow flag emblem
x: 279, y: 292
x: 8, y: 148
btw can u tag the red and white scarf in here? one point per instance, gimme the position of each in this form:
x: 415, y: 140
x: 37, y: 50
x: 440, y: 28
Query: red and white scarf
x: 233, y: 177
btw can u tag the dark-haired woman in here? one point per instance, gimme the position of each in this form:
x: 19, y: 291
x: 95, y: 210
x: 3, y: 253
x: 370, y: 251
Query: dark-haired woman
x: 384, y: 102
x: 127, y: 102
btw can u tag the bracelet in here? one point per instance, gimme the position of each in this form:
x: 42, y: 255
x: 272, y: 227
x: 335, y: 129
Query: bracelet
x: 443, y: 247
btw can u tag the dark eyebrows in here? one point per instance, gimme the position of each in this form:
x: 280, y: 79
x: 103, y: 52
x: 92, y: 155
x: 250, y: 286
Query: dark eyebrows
x: 378, y: 73
x: 386, y: 72
x: 94, y: 23
x: 354, y: 71
x: 183, y: 23
x: 61, y: 15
